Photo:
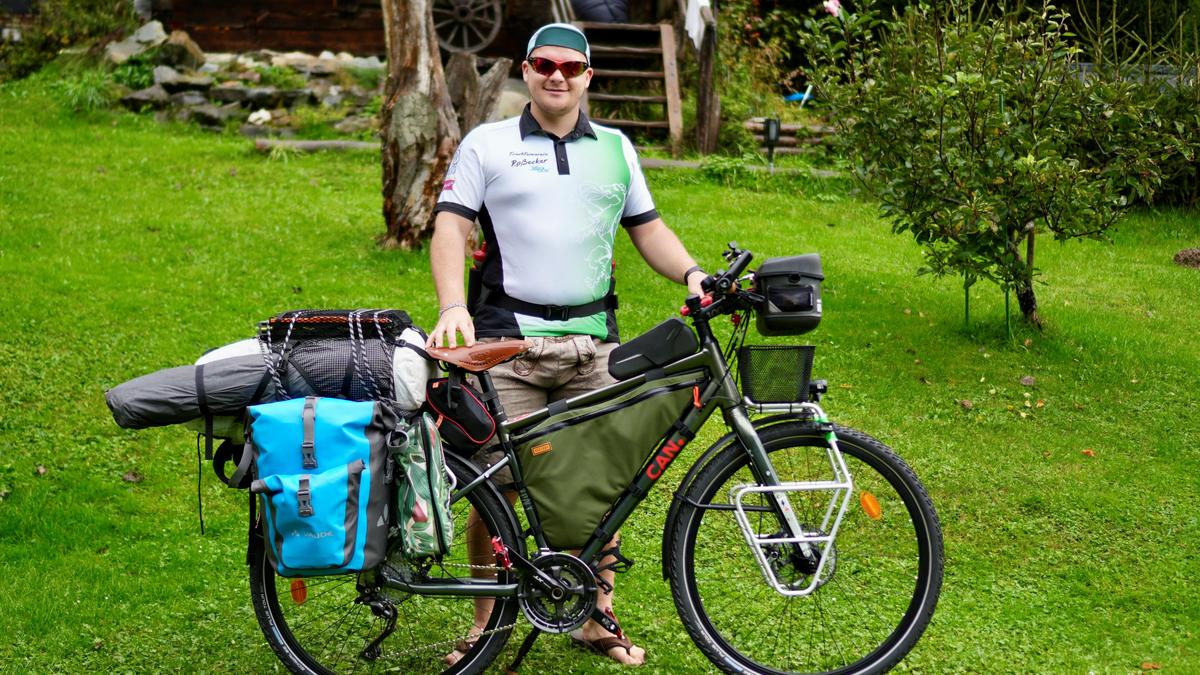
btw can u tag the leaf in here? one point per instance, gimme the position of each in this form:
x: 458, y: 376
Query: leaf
x: 1088, y: 452
x: 1041, y: 403
x: 1028, y: 381
x: 1150, y: 665
x: 40, y: 470
x: 132, y: 476
x: 967, y: 404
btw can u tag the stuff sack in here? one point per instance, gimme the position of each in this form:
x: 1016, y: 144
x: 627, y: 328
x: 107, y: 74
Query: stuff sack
x: 576, y: 462
x: 423, y: 495
x: 357, y: 355
x: 320, y: 466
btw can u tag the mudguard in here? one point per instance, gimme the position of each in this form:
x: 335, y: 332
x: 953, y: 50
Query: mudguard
x: 686, y: 484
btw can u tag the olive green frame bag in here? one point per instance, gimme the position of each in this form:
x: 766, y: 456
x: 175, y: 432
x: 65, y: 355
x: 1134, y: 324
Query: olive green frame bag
x: 576, y: 462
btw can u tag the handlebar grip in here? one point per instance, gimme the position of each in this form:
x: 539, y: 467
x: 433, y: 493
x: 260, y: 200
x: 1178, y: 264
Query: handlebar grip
x: 739, y: 265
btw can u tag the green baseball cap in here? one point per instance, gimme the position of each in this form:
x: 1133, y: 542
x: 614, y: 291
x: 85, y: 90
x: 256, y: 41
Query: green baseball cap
x: 560, y: 35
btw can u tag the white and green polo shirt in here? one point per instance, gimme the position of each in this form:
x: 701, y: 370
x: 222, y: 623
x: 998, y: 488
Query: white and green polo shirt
x: 549, y: 208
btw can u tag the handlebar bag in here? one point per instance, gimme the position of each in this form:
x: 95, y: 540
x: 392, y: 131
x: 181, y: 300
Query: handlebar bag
x: 320, y: 466
x: 576, y: 462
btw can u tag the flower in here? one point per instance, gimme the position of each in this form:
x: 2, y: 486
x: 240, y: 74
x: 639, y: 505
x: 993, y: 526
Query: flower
x: 834, y: 7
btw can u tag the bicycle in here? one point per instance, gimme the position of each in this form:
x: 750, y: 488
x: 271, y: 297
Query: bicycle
x: 792, y: 544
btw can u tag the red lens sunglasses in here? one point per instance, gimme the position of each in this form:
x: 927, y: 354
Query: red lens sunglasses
x: 546, y: 67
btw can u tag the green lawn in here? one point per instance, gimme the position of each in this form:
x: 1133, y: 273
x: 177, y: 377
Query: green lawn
x: 126, y: 247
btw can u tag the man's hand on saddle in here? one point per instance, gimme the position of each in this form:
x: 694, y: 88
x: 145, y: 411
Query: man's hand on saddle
x: 451, y: 322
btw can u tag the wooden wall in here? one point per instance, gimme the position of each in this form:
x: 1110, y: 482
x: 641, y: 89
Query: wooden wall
x: 282, y: 25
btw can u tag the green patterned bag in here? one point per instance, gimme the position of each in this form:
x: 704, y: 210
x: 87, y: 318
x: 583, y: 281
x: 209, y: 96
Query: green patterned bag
x: 423, y: 492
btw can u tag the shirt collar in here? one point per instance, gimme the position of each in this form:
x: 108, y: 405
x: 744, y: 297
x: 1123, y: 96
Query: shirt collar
x: 529, y: 125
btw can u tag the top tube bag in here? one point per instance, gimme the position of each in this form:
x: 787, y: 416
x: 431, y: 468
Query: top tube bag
x: 320, y: 465
x: 576, y: 462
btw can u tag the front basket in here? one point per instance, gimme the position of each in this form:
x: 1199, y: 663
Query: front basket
x: 775, y: 373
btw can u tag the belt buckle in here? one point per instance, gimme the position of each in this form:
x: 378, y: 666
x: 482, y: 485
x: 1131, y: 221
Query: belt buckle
x: 556, y: 313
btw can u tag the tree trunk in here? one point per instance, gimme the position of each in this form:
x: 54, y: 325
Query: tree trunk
x: 474, y: 96
x: 1026, y: 299
x: 418, y: 124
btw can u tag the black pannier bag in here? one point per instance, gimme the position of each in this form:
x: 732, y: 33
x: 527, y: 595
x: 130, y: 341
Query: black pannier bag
x: 667, y: 342
x: 791, y: 290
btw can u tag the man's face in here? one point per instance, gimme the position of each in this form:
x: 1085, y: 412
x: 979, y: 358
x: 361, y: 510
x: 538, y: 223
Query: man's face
x: 555, y: 94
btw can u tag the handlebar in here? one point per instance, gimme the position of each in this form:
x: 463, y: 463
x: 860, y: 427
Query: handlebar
x: 720, y: 287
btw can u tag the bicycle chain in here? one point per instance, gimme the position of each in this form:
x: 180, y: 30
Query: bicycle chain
x: 455, y: 641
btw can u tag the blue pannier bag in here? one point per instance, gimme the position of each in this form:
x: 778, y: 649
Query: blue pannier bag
x: 320, y: 466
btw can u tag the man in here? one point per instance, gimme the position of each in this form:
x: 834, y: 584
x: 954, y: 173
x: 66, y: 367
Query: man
x: 549, y: 189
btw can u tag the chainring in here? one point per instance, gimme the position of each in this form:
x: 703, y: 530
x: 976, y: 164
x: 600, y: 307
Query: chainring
x: 566, y: 607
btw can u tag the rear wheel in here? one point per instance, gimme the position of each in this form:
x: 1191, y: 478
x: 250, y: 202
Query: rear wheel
x: 875, y: 594
x: 325, y: 624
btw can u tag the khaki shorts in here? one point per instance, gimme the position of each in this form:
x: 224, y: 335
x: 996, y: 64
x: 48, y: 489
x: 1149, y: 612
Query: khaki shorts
x: 555, y: 368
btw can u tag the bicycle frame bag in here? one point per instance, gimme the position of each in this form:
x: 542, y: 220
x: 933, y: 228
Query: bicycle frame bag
x: 320, y: 466
x: 576, y: 462
x: 667, y: 342
x: 791, y: 290
x: 423, y: 493
x: 459, y: 414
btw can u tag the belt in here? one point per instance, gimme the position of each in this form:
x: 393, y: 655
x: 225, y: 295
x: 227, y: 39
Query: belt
x: 498, y: 298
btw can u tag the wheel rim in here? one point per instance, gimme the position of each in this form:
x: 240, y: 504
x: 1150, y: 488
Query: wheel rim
x: 855, y: 620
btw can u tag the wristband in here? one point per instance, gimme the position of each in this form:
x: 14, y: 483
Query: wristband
x: 451, y: 306
x: 688, y: 273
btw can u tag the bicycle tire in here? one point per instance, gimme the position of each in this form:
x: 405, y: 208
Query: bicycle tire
x: 873, y: 605
x: 326, y: 631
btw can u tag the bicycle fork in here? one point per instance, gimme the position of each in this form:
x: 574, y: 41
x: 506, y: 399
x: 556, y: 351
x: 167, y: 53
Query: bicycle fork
x: 812, y: 544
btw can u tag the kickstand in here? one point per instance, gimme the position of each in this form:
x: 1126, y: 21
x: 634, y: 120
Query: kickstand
x: 524, y: 650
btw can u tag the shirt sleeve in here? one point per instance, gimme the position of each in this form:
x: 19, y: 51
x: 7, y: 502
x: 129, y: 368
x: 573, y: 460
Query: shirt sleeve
x: 463, y: 187
x: 639, y: 205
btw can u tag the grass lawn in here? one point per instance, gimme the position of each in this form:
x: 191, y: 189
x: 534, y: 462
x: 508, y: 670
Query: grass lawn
x: 126, y: 247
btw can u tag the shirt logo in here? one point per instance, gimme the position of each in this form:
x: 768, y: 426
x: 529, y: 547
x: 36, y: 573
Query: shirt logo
x: 535, y: 160
x: 448, y: 184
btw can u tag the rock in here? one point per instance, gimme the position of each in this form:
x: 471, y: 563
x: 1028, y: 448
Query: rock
x: 260, y: 116
x: 1188, y: 257
x: 355, y: 125
x: 252, y: 76
x: 327, y: 55
x: 179, y: 50
x: 173, y: 81
x: 510, y: 105
x: 209, y: 69
x: 290, y: 97
x: 228, y: 92
x: 210, y: 115
x: 150, y: 97
x: 368, y: 63
x: 254, y: 130
x: 188, y: 98
x: 219, y: 58
x: 263, y: 97
x: 145, y: 38
x: 331, y: 100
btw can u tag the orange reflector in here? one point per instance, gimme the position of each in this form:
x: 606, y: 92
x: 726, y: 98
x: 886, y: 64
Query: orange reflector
x: 299, y: 591
x: 870, y: 505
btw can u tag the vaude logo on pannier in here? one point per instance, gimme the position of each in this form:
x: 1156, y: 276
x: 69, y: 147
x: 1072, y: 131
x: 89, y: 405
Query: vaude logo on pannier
x: 311, y: 535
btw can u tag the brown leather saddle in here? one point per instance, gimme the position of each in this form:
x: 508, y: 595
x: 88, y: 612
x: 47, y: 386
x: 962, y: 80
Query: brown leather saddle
x: 481, y: 355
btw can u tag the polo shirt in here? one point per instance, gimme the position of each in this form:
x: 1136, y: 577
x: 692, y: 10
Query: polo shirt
x: 549, y: 208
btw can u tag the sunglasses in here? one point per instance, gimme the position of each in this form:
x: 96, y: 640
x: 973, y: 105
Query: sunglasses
x: 546, y: 67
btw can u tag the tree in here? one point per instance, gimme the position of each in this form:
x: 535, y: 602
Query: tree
x: 977, y: 134
x: 419, y: 124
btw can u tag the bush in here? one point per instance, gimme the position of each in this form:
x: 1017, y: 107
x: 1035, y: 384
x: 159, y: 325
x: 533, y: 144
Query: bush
x: 281, y: 77
x: 87, y: 90
x: 977, y: 134
x: 58, y: 24
x: 137, y: 72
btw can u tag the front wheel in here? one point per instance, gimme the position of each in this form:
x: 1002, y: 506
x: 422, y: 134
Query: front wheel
x: 874, y: 595
x: 332, y: 624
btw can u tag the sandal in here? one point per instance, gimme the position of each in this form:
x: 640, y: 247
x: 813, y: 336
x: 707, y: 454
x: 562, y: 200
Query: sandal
x: 602, y: 645
x: 460, y: 649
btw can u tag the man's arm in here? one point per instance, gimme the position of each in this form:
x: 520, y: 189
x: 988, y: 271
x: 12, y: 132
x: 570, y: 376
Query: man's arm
x: 446, y: 262
x: 665, y: 253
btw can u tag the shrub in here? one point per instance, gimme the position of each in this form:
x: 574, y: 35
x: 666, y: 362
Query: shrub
x: 977, y: 134
x: 136, y: 73
x: 87, y: 90
x: 280, y: 77
x: 58, y: 24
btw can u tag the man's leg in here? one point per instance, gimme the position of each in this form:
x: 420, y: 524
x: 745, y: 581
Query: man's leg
x: 517, y: 385
x: 591, y: 373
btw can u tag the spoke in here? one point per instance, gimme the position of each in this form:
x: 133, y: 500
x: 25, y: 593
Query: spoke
x: 482, y: 38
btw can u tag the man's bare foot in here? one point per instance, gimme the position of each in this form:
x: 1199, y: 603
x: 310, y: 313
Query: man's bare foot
x: 594, y: 636
x: 461, y: 649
